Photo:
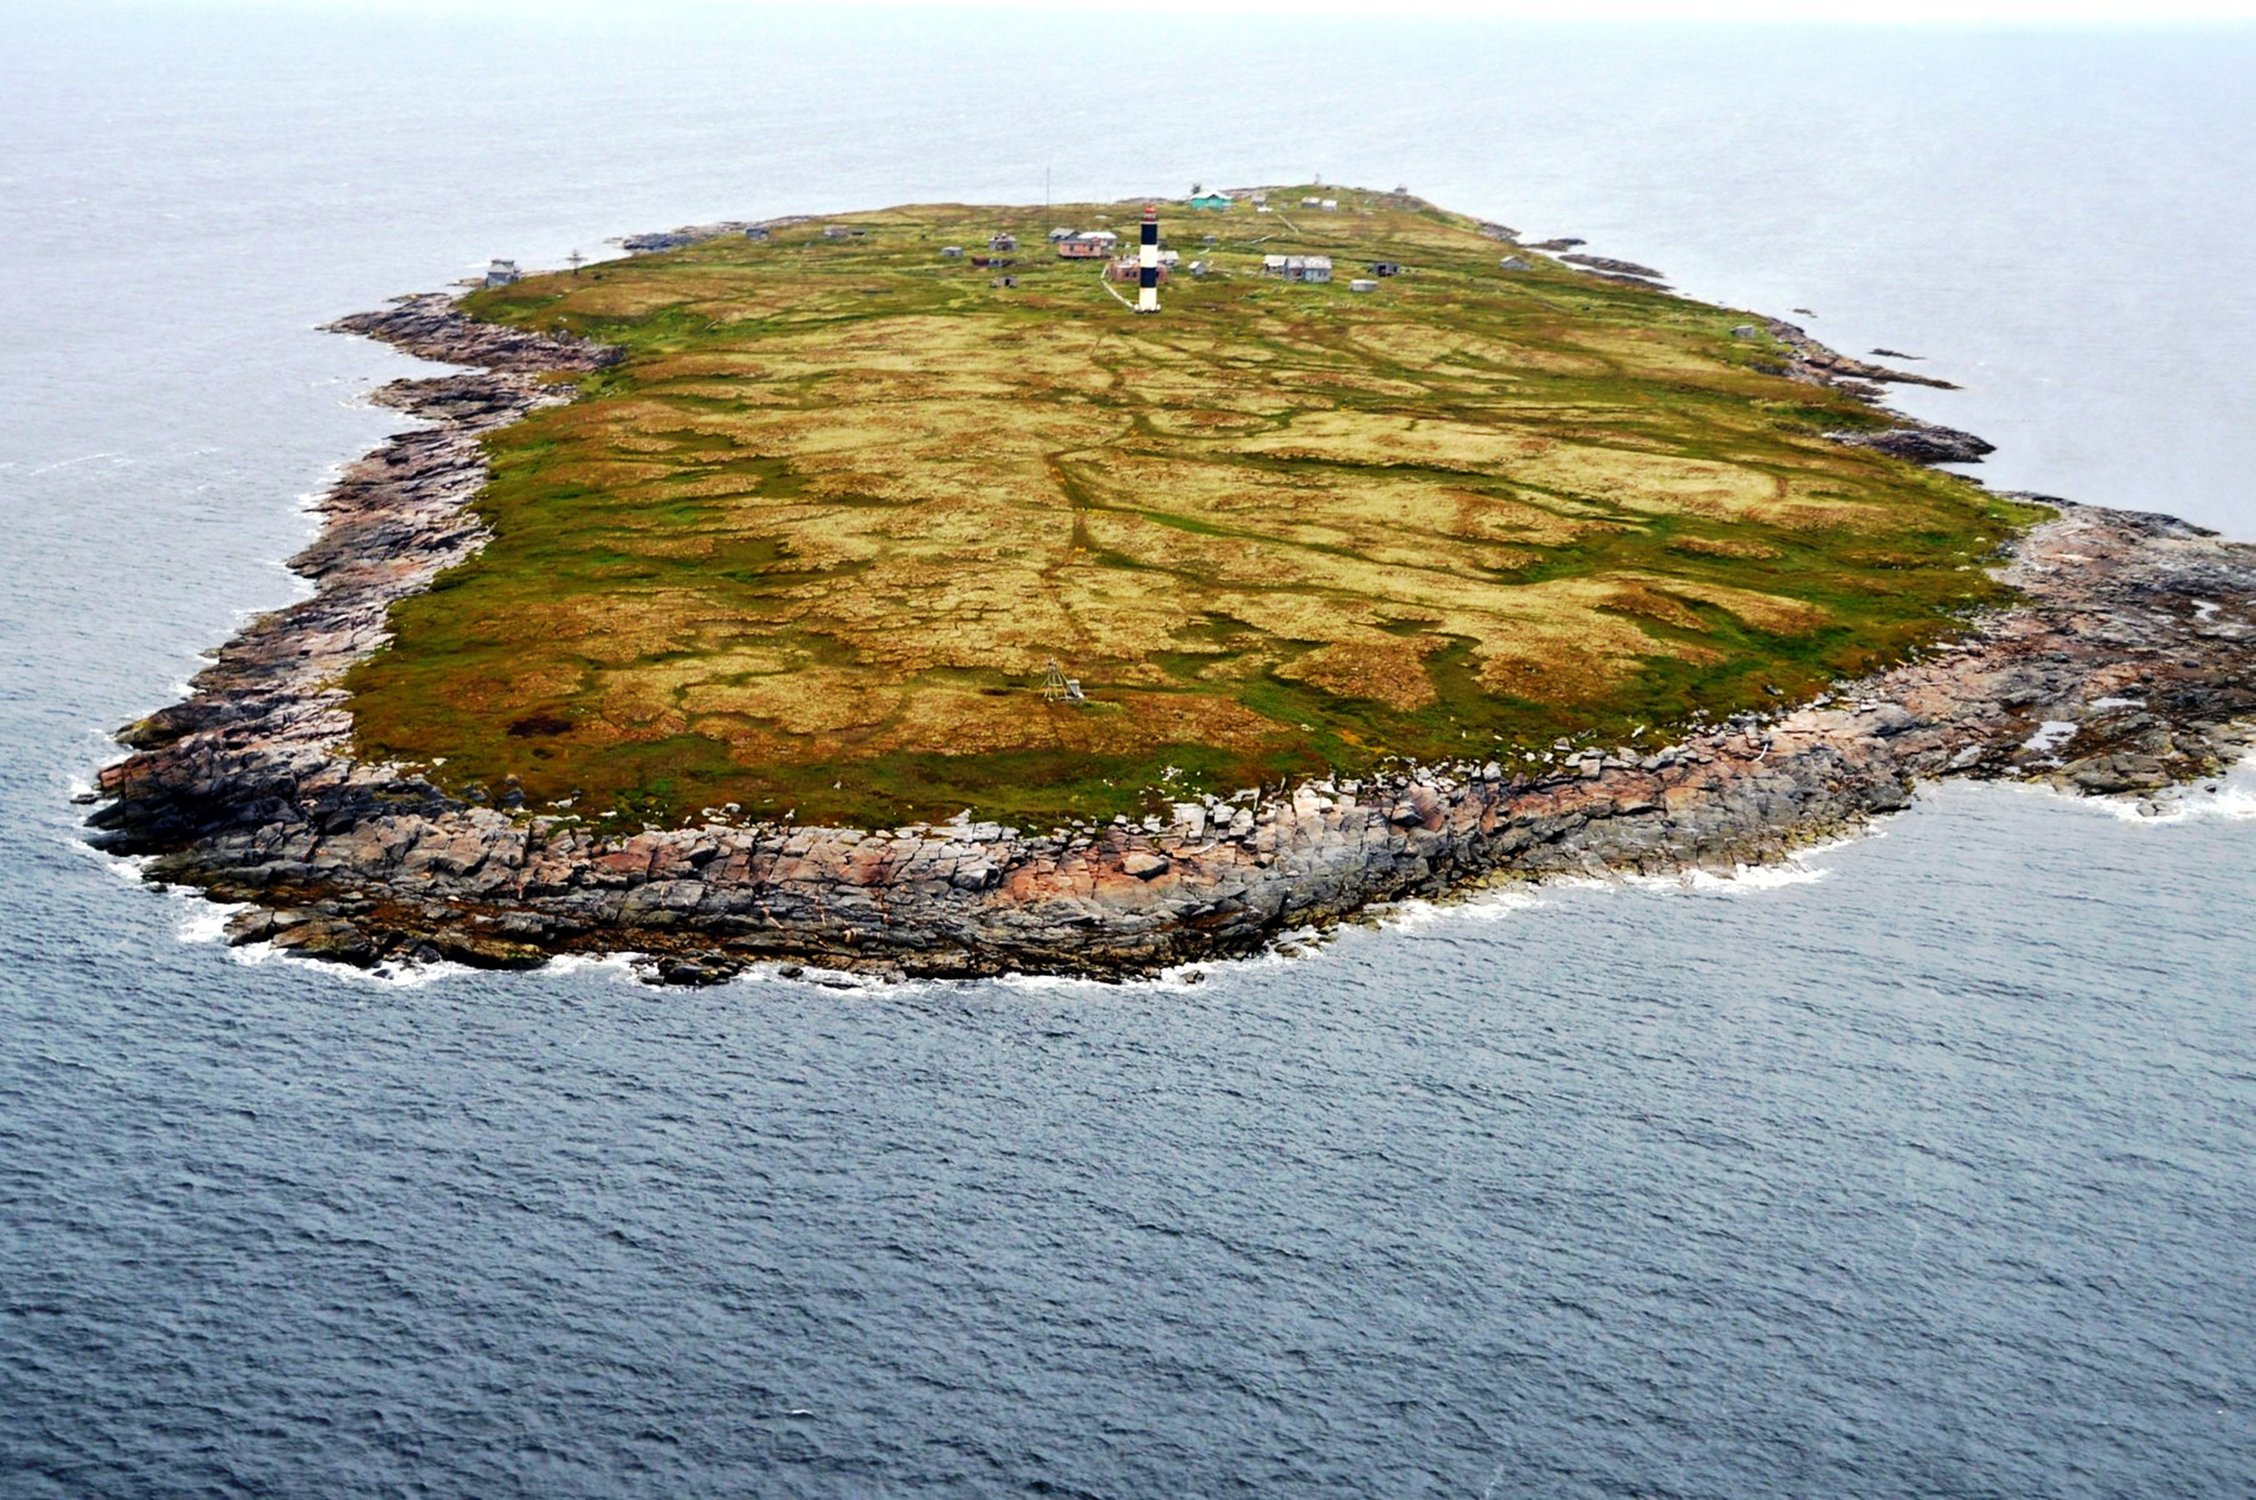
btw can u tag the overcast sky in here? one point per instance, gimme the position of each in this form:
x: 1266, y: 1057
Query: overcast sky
x: 1854, y: 12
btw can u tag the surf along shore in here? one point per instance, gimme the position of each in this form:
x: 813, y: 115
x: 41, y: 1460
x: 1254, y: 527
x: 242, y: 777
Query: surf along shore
x: 2125, y: 661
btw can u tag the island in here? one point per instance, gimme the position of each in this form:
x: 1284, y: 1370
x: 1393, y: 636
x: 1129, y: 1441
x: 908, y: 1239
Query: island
x: 1098, y: 589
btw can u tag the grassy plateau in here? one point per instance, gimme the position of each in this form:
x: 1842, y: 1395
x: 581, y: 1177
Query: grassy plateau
x: 809, y: 548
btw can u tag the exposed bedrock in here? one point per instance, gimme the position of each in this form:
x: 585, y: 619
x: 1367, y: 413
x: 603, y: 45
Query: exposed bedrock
x: 2131, y: 664
x: 1612, y: 267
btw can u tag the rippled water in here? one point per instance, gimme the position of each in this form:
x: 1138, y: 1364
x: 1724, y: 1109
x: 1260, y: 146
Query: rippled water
x: 1923, y: 1169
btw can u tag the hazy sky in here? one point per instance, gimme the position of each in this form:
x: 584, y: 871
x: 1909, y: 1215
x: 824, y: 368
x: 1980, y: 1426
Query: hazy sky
x: 1855, y: 12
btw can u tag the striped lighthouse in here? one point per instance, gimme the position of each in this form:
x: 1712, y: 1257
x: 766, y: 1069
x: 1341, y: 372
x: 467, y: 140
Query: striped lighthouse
x: 1147, y: 263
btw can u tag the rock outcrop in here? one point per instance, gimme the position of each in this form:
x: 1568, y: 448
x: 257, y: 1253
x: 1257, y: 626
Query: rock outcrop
x: 1612, y: 267
x: 2130, y: 664
x: 1921, y: 442
x: 1811, y: 360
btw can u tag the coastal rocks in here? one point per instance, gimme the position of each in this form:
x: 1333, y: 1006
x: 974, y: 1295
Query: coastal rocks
x: 1612, y: 267
x: 690, y: 234
x: 1920, y: 442
x: 2129, y: 664
x: 430, y: 325
x: 1906, y: 438
x: 1813, y: 362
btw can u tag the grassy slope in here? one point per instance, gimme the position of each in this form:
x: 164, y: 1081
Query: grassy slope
x: 811, y: 545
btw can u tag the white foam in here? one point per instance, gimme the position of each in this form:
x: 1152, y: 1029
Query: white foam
x: 1738, y: 880
x: 130, y: 868
x: 1172, y: 980
x: 1047, y: 984
x: 1494, y: 905
x: 620, y: 965
x: 205, y: 921
x: 407, y: 975
x: 390, y: 974
x: 2230, y: 796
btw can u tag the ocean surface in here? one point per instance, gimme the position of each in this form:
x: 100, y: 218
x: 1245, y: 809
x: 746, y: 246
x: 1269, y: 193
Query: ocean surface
x: 1926, y: 1167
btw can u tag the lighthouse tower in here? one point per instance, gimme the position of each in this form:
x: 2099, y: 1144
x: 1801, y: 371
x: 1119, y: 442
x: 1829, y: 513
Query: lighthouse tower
x: 1147, y: 263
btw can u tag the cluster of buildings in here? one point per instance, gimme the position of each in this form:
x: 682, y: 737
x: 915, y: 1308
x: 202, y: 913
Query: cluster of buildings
x: 1083, y: 244
x: 1223, y: 202
x: 1146, y: 264
x: 1298, y: 267
x: 1147, y: 267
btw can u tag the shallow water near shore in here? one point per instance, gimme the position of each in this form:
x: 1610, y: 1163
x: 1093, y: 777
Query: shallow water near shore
x: 1922, y: 1168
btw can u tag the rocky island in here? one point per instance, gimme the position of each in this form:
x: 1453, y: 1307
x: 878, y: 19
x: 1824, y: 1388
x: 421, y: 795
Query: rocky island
x: 883, y: 593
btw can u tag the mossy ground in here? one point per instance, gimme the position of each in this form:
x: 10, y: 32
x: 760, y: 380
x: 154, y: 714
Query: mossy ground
x: 809, y: 547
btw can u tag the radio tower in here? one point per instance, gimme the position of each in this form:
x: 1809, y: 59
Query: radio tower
x: 1147, y: 263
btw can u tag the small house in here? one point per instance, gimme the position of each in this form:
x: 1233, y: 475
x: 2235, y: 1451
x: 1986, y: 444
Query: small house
x: 1329, y: 205
x: 1386, y: 268
x: 1199, y: 267
x: 1002, y: 242
x: 1127, y: 268
x: 501, y: 272
x: 1089, y: 244
x: 1216, y: 202
x: 1311, y: 203
x: 1362, y: 284
x: 952, y: 252
x: 1060, y: 234
x: 756, y: 233
x: 994, y: 262
x: 1005, y: 282
x: 1259, y: 199
x: 836, y: 231
x: 1513, y: 263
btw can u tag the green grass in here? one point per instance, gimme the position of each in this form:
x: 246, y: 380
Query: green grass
x: 810, y: 546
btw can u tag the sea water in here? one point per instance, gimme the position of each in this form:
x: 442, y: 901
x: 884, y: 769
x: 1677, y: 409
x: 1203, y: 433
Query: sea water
x: 1922, y: 1167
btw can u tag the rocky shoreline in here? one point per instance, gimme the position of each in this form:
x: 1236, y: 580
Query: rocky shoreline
x: 2129, y: 665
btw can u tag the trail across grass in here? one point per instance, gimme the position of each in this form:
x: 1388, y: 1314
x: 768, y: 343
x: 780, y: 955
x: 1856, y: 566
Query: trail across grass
x: 811, y: 546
